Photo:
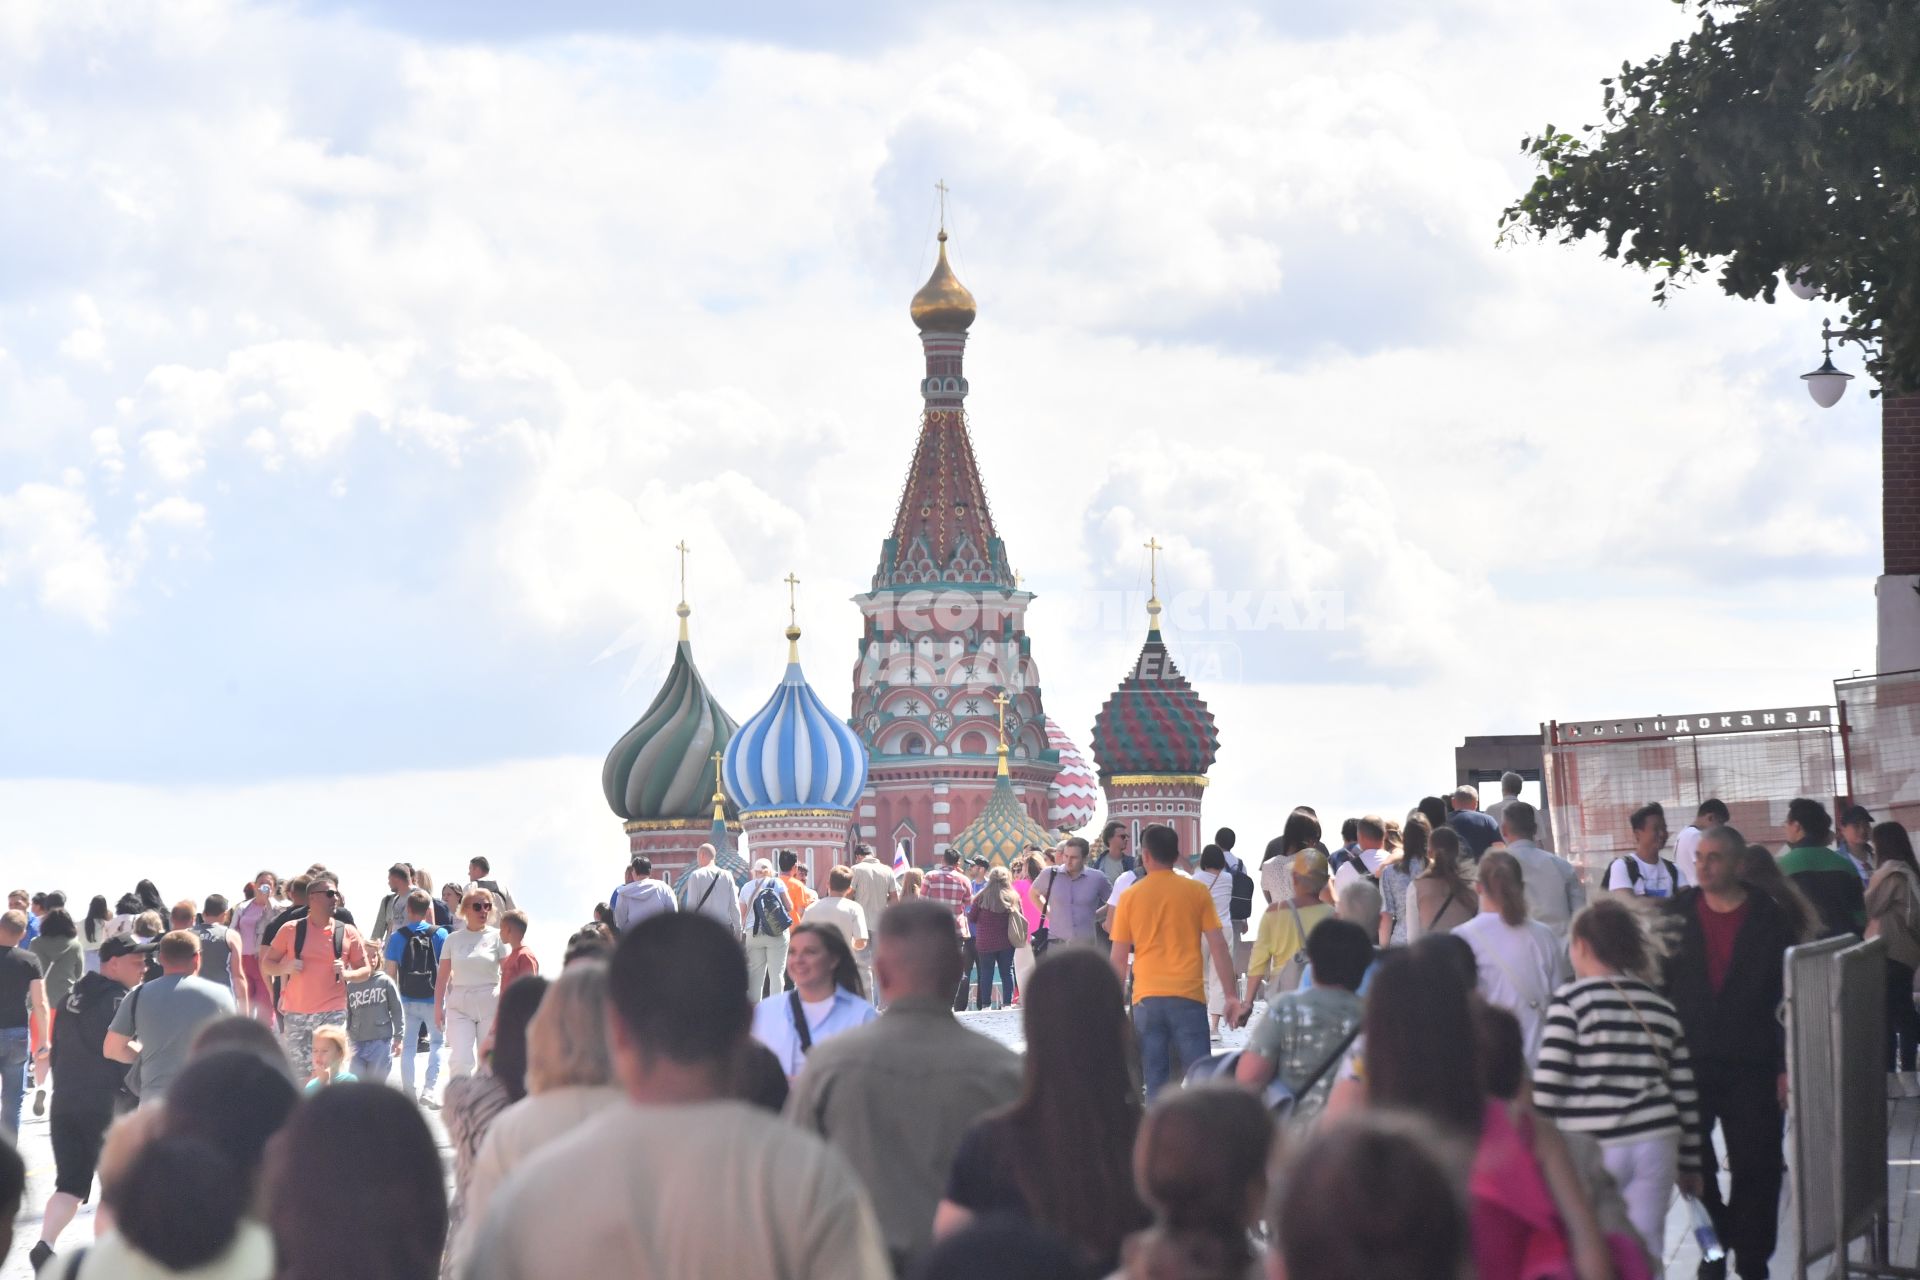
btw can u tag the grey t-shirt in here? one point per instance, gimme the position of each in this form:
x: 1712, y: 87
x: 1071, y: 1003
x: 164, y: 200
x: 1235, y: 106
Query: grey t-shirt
x: 163, y: 1015
x: 216, y: 951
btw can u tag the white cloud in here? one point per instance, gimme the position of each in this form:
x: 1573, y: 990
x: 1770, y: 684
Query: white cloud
x: 87, y: 342
x: 48, y: 541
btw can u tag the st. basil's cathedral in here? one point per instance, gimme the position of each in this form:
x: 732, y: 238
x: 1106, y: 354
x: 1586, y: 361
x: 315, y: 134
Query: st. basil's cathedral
x: 948, y: 742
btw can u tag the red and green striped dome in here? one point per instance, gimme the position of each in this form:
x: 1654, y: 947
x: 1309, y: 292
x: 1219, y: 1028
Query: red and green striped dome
x: 1154, y: 722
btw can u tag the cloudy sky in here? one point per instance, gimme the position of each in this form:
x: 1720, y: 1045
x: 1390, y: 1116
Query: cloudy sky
x: 361, y: 364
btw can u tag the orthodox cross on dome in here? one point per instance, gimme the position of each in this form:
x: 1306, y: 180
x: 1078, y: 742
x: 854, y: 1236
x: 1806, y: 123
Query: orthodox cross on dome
x: 1152, y: 544
x: 1000, y: 701
x: 793, y: 618
x: 682, y: 609
x: 719, y: 796
x: 942, y: 188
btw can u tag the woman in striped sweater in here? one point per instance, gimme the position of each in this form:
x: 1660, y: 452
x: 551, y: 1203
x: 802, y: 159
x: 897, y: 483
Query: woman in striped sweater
x: 1613, y: 1064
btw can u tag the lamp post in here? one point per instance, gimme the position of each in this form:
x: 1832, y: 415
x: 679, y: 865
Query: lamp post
x: 1827, y: 384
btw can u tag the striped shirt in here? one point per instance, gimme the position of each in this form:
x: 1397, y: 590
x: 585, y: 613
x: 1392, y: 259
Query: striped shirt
x: 1599, y: 1073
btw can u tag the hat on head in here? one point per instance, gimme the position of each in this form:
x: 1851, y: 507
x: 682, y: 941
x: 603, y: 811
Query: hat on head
x: 978, y: 860
x: 123, y: 944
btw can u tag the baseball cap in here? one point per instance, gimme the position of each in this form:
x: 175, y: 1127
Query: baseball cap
x: 978, y: 860
x: 124, y: 944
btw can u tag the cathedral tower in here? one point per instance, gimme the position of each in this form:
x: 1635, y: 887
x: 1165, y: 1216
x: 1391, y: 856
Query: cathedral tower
x: 945, y: 627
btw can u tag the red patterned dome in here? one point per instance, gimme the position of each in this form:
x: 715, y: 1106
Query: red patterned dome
x: 1074, y: 796
x: 1154, y: 722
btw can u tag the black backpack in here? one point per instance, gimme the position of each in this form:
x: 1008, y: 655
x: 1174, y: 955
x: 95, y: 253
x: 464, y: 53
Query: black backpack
x: 300, y: 939
x: 771, y: 919
x: 417, y: 967
x: 1241, y: 907
x: 1633, y: 872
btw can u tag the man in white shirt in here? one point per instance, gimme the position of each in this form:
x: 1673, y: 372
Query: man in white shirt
x: 1644, y: 873
x: 676, y: 1182
x: 840, y: 911
x: 1370, y: 838
x: 875, y: 889
x: 1510, y: 785
x: 1554, y: 891
x: 1711, y: 814
x: 709, y: 891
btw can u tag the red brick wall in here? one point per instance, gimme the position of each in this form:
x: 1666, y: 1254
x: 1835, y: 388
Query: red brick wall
x: 1900, y: 478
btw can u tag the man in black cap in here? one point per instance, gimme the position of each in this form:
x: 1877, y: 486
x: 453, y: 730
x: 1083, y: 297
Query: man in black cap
x: 92, y: 1088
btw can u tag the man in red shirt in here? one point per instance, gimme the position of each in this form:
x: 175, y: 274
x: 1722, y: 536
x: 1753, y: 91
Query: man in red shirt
x: 1725, y: 981
x: 520, y: 962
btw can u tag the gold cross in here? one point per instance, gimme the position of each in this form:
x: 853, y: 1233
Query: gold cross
x: 793, y: 608
x: 941, y: 187
x: 682, y: 548
x: 719, y: 794
x: 1000, y: 700
x: 1153, y: 563
x: 1016, y: 579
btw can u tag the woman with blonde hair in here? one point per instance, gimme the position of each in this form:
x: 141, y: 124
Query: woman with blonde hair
x: 569, y: 1081
x: 995, y: 932
x: 1521, y: 962
x: 1439, y: 899
x: 468, y: 988
x: 910, y: 882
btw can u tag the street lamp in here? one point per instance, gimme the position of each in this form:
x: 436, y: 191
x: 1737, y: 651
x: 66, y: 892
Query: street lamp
x: 1827, y: 384
x: 1802, y: 288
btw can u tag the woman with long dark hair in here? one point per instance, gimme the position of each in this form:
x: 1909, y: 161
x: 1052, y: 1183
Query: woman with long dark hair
x: 1760, y: 872
x: 1521, y: 963
x: 150, y: 899
x: 1302, y: 831
x: 1440, y: 900
x: 825, y: 999
x: 356, y: 1168
x: 93, y: 930
x: 1421, y: 1055
x: 1397, y: 877
x: 1893, y: 916
x: 1061, y: 1156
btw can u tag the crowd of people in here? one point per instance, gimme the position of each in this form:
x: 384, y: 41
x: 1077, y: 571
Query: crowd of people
x: 1514, y: 1071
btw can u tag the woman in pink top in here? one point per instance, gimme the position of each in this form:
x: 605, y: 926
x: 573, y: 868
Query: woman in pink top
x: 262, y: 905
x: 1025, y: 871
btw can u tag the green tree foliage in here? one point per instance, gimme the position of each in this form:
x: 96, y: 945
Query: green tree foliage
x: 1782, y: 136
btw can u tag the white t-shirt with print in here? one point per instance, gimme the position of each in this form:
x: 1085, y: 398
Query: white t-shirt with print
x: 1654, y: 882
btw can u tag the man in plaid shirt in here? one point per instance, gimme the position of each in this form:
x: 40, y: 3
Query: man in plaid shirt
x: 946, y: 886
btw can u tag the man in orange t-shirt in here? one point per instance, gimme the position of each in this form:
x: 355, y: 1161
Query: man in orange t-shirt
x: 797, y: 891
x: 318, y: 957
x: 1162, y: 924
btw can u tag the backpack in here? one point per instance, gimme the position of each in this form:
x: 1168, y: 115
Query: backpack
x: 771, y: 919
x: 300, y: 939
x: 1241, y: 906
x: 417, y: 967
x: 1358, y: 863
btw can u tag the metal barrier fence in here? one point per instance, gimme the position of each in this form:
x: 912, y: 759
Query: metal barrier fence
x: 1880, y: 741
x: 1836, y: 1056
x: 1594, y: 784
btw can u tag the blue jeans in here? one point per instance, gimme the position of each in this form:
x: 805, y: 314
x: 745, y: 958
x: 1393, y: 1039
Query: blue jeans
x: 373, y: 1060
x: 1001, y: 960
x: 1166, y: 1023
x: 418, y: 1013
x: 13, y: 1076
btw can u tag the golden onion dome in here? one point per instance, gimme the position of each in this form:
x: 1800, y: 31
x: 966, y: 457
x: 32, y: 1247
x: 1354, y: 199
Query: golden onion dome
x: 943, y: 304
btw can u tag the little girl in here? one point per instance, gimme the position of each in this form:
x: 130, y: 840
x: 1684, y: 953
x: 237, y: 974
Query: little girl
x: 330, y: 1058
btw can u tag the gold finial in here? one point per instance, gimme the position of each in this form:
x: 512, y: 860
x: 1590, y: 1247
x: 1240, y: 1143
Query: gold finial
x: 793, y: 619
x: 1154, y: 549
x: 719, y: 794
x: 943, y: 304
x: 1000, y: 700
x: 681, y: 609
x: 941, y: 187
x: 1016, y: 579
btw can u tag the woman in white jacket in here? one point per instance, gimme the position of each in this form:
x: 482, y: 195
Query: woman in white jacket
x: 1521, y: 962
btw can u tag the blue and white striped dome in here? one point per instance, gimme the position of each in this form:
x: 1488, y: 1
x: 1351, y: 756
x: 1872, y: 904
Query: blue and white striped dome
x: 793, y: 753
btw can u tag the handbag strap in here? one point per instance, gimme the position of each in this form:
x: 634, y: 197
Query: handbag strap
x: 1451, y: 895
x: 1300, y: 956
x: 800, y: 1027
x: 711, y: 886
x: 1339, y: 1052
x: 1634, y: 1009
